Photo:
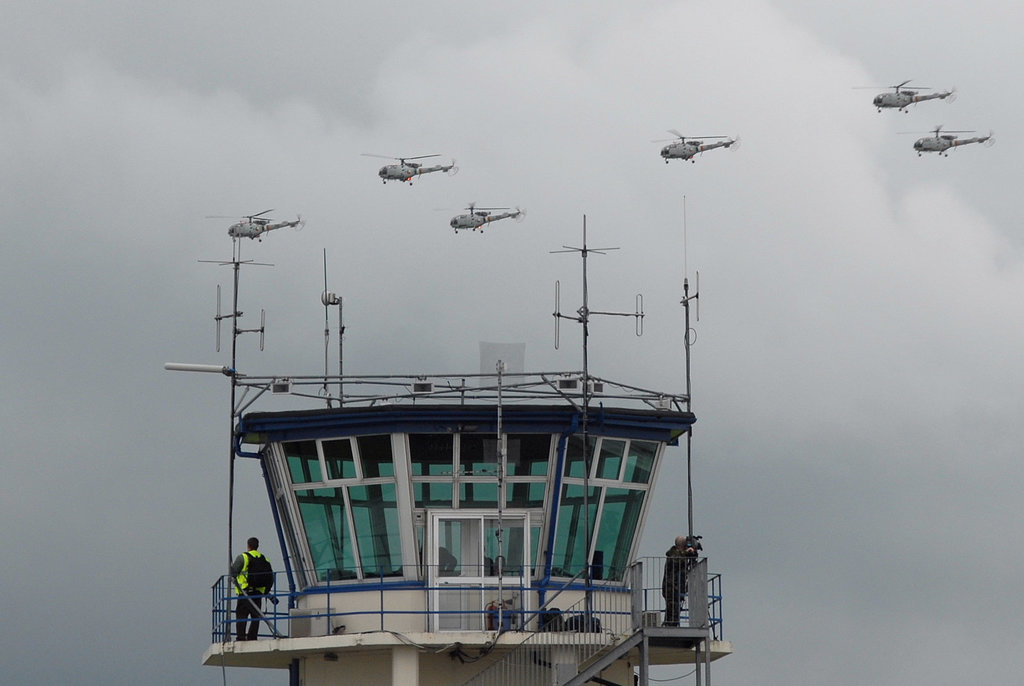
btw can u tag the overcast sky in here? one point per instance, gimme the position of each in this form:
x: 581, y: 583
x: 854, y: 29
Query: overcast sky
x: 857, y: 371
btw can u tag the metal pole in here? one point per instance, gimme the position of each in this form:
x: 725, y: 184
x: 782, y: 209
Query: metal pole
x: 236, y: 264
x: 341, y: 343
x: 499, y: 534
x: 585, y: 319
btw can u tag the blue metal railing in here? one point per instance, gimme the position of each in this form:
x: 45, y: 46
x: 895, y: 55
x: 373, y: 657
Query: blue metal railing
x: 280, y: 610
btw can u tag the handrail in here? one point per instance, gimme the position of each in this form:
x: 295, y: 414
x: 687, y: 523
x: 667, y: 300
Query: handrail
x: 370, y: 390
x: 637, y: 600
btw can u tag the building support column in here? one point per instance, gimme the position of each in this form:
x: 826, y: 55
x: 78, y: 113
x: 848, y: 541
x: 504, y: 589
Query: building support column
x: 405, y: 666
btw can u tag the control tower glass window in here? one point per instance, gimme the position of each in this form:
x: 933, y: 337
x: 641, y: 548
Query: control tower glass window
x: 303, y: 462
x: 571, y: 544
x: 341, y: 464
x: 528, y: 454
x: 640, y: 461
x: 327, y: 532
x: 350, y: 518
x: 620, y: 516
x: 375, y: 456
x: 431, y: 454
x: 379, y: 540
x: 603, y: 529
x: 574, y: 455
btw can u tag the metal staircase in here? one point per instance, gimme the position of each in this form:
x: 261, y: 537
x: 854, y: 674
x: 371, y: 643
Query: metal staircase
x: 574, y: 646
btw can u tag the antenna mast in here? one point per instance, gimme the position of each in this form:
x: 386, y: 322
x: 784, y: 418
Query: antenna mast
x: 328, y: 299
x: 500, y: 533
x: 583, y: 315
x: 236, y: 264
x: 689, y: 339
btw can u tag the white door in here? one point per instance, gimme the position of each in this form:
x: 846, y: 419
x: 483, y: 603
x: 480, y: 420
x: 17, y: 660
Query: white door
x: 467, y: 551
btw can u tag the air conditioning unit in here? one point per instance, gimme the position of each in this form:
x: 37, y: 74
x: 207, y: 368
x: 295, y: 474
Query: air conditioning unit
x: 568, y: 384
x: 420, y: 387
x: 281, y: 386
x: 597, y: 386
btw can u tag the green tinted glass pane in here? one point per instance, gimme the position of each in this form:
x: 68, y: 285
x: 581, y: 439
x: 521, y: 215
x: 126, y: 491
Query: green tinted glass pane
x: 338, y: 456
x: 570, y: 550
x: 619, y: 518
x: 450, y: 552
x: 478, y: 454
x: 528, y: 454
x: 303, y: 462
x: 574, y: 456
x: 473, y: 495
x: 512, y: 546
x: 375, y: 519
x: 375, y: 455
x: 432, y: 494
x: 610, y: 459
x: 529, y: 494
x: 640, y: 461
x: 325, y: 522
x: 431, y: 454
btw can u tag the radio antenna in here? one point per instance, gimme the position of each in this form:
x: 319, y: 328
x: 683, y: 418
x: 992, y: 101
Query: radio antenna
x: 236, y: 265
x: 583, y: 315
x: 689, y: 339
x: 328, y: 299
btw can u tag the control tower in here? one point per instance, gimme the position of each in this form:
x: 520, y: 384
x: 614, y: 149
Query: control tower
x: 465, y: 530
x: 442, y: 530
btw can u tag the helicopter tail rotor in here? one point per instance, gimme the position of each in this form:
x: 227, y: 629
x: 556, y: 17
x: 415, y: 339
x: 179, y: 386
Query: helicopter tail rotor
x: 301, y: 223
x: 952, y: 95
x: 735, y: 143
x: 990, y: 141
x: 521, y: 214
x: 453, y: 170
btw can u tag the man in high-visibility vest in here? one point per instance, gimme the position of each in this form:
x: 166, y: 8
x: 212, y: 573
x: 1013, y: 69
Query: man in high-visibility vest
x: 250, y: 596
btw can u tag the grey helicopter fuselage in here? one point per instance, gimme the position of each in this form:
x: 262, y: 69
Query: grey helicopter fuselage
x: 254, y: 228
x: 941, y: 143
x: 475, y: 219
x: 901, y: 99
x: 687, y: 150
x: 406, y: 171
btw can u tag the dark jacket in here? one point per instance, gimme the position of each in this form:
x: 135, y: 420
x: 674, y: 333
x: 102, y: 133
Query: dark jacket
x: 677, y: 564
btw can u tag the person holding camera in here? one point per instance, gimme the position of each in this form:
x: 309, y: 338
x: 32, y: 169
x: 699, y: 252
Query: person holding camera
x: 679, y: 559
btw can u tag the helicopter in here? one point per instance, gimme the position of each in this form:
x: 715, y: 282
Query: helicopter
x: 255, y: 225
x: 941, y: 143
x: 900, y: 98
x: 477, y: 217
x: 405, y: 170
x: 687, y: 148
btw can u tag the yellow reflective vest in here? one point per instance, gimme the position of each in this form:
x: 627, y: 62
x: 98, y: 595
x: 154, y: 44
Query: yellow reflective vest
x: 242, y: 577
